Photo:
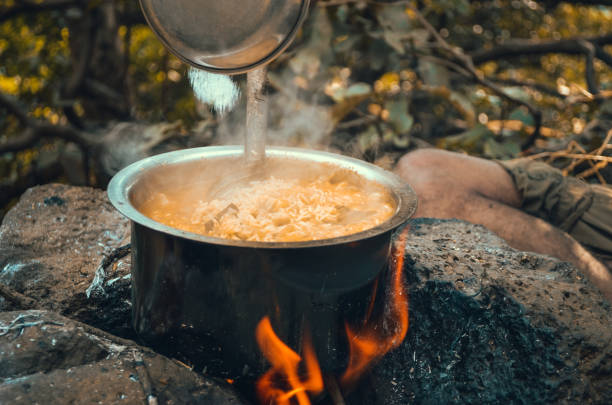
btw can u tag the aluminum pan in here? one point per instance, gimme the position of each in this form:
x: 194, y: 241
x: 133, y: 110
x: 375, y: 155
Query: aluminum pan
x: 229, y: 36
x: 121, y: 185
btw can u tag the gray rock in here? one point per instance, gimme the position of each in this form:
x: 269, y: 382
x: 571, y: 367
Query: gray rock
x: 490, y: 324
x: 487, y: 323
x: 49, y: 359
x: 51, y: 244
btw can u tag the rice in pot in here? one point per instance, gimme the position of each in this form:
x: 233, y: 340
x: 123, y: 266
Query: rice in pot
x: 279, y: 209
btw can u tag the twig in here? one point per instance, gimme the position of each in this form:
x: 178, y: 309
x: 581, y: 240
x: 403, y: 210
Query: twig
x: 578, y: 158
x: 20, y: 323
x: 466, y: 61
x: 605, y: 144
x: 35, y: 6
x: 144, y: 378
x: 35, y: 130
x: 357, y: 122
x: 599, y: 151
x: 542, y: 47
x: 574, y: 145
x: 576, y: 162
x: 594, y: 170
x: 75, y: 82
x: 564, y: 154
x: 334, y: 390
x: 531, y: 84
x: 97, y: 284
x: 23, y: 301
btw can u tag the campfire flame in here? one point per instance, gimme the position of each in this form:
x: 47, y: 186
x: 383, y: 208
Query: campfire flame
x: 284, y: 384
x: 370, y: 342
x: 285, y: 369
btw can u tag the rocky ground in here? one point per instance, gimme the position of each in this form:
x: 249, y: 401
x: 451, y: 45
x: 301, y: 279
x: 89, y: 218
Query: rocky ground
x: 487, y: 323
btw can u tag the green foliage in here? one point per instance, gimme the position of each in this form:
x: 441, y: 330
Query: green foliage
x: 373, y: 62
x: 377, y: 60
x: 34, y: 60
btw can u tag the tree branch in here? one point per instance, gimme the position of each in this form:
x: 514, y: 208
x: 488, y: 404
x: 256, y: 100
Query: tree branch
x: 75, y: 82
x: 15, y: 144
x: 555, y: 3
x: 516, y: 48
x: 107, y: 96
x: 602, y: 55
x: 34, y: 6
x: 542, y: 88
x: 467, y: 63
x: 38, y: 174
x: 589, y: 69
x: 13, y: 107
x: 35, y: 130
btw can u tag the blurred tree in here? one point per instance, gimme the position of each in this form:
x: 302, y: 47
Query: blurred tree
x: 86, y: 88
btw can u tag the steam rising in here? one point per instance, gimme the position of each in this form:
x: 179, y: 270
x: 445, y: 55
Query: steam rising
x: 252, y: 197
x: 286, y: 199
x: 291, y: 122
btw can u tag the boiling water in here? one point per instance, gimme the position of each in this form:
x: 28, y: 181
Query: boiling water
x: 257, y: 118
x: 220, y: 92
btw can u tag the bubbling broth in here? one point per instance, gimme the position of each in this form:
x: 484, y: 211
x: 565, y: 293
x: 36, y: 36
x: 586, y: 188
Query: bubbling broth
x: 283, y: 205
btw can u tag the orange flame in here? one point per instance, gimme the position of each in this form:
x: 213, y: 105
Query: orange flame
x: 371, y: 343
x: 283, y: 384
x: 285, y: 365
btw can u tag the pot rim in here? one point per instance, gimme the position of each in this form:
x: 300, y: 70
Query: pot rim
x: 121, y: 185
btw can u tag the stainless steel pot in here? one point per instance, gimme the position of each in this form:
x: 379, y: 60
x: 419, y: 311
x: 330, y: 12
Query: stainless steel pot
x: 202, y: 297
x: 227, y: 36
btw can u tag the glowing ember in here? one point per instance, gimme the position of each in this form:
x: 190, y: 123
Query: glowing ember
x: 285, y: 370
x: 283, y: 384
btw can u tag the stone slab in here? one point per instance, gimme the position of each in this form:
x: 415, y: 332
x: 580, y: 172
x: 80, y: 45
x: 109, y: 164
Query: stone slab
x: 488, y: 323
x: 46, y: 358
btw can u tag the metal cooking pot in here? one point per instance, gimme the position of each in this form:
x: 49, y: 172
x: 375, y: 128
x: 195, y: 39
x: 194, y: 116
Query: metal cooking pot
x: 225, y: 36
x: 202, y: 297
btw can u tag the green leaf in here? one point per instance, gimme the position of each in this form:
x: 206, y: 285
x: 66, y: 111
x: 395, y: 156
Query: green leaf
x: 517, y: 92
x: 308, y: 59
x: 391, y: 137
x: 368, y: 139
x: 521, y: 114
x: 394, y: 39
x: 434, y: 74
x: 356, y: 90
x: 464, y: 106
x: 396, y: 26
x: 496, y: 150
x: 468, y: 141
x: 399, y: 117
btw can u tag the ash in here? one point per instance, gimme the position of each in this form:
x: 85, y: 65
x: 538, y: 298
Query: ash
x: 462, y: 350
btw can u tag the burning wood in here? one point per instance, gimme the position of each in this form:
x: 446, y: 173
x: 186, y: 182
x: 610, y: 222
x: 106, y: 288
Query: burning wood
x: 284, y: 382
x: 370, y: 342
x: 285, y: 369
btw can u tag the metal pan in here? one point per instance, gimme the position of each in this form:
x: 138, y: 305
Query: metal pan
x: 227, y: 36
x: 193, y: 293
